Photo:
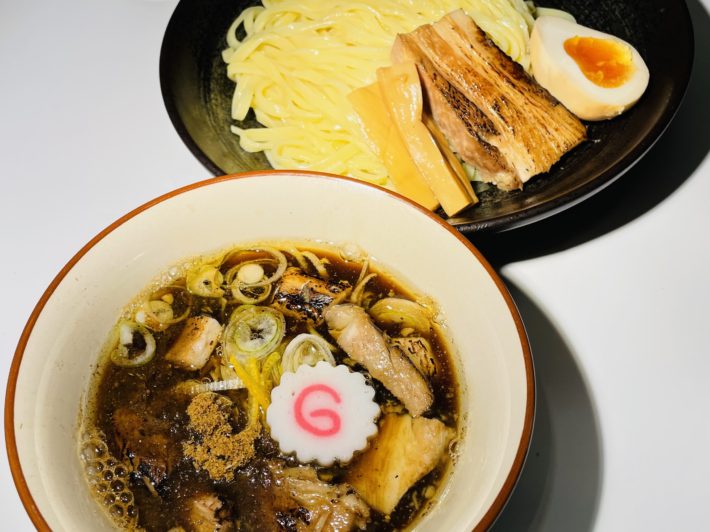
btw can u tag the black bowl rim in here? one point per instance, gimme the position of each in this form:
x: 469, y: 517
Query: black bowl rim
x: 526, y: 215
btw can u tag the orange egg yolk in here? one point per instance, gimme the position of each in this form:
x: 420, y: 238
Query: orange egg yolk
x: 604, y: 62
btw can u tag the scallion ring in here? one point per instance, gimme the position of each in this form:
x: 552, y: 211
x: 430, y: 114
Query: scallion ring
x: 125, y: 353
x: 247, y: 277
x: 231, y: 274
x: 205, y: 281
x: 280, y: 269
x: 253, y: 332
x: 306, y: 349
x: 261, y: 293
x: 158, y: 315
x: 399, y: 311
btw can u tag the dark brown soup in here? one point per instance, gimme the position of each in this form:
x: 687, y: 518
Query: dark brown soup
x: 176, y: 434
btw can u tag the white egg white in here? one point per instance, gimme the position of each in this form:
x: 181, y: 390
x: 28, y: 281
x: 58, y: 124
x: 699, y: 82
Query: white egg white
x: 555, y: 70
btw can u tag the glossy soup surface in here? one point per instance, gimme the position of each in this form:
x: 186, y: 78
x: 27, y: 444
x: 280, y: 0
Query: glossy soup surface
x: 137, y: 433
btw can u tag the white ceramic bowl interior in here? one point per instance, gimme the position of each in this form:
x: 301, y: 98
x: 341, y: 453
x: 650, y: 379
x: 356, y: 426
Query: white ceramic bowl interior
x: 71, y: 324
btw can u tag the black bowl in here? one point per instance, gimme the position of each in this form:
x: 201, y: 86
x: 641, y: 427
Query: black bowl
x: 197, y: 95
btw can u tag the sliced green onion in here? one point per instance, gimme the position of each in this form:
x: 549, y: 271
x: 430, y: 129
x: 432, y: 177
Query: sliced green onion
x: 261, y: 293
x: 231, y: 274
x: 168, y: 298
x: 158, y: 315
x: 280, y: 269
x: 306, y: 349
x: 205, y: 281
x: 399, y: 311
x: 248, y: 282
x: 124, y: 354
x: 471, y: 172
x: 161, y: 310
x: 253, y: 332
x: 276, y: 256
x: 250, y: 274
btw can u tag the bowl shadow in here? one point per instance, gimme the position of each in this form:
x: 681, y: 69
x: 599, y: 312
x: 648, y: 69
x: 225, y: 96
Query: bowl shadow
x: 560, y: 483
x: 669, y: 163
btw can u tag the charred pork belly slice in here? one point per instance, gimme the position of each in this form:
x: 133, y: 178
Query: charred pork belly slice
x: 496, y: 117
x: 147, y: 442
x: 418, y: 351
x: 305, y: 502
x: 304, y: 297
x: 457, y: 118
x: 355, y: 333
x: 205, y: 512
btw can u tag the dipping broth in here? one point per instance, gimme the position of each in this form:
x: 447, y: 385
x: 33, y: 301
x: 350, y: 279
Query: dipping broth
x: 179, y: 432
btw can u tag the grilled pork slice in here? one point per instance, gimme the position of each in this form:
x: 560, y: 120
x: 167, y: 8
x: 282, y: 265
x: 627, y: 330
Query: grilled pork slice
x: 496, y: 117
x: 147, y: 442
x: 304, y: 502
x: 305, y: 297
x: 418, y: 351
x: 363, y: 342
x: 205, y: 512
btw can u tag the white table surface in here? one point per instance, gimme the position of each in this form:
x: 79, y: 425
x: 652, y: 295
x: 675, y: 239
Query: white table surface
x: 613, y: 292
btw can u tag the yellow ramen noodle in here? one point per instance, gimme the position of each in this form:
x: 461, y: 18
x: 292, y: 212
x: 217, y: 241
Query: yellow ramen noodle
x: 299, y: 59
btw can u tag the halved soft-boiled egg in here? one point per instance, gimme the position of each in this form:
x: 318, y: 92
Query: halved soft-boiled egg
x: 594, y: 74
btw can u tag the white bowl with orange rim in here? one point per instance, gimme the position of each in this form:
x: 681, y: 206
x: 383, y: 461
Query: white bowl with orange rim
x: 59, y: 347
